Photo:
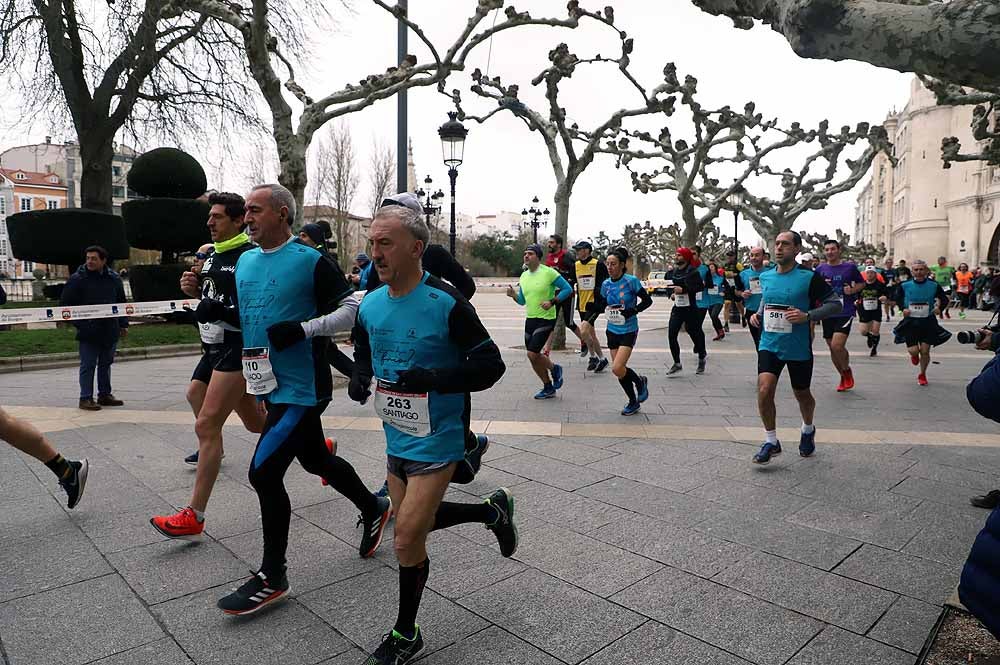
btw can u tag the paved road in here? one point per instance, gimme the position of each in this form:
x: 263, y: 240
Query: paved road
x: 644, y: 539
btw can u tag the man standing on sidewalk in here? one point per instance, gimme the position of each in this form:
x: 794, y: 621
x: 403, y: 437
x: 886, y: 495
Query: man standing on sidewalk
x: 96, y: 284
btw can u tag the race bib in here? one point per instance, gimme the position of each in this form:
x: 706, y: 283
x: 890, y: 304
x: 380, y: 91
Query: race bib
x: 731, y: 281
x: 699, y: 296
x: 775, y: 321
x: 211, y: 333
x: 616, y: 316
x: 871, y: 304
x: 586, y: 283
x: 258, y: 372
x: 714, y: 291
x: 920, y: 310
x: 407, y: 412
x: 682, y: 300
x: 755, y: 286
x: 963, y: 288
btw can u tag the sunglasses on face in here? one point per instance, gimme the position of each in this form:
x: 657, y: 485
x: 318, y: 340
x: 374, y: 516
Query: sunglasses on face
x: 201, y: 256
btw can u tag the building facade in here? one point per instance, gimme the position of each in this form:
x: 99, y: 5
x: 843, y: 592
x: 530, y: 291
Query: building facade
x: 919, y: 209
x: 23, y: 191
x: 356, y: 231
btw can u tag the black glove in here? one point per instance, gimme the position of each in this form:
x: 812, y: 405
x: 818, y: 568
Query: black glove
x: 629, y: 313
x: 358, y: 390
x: 210, y: 311
x: 285, y: 334
x: 417, y: 380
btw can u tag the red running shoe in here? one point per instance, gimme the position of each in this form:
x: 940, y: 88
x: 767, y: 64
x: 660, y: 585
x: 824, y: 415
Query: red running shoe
x: 848, y: 380
x: 331, y: 445
x: 183, y: 525
x: 914, y: 360
x: 719, y: 335
x: 922, y: 379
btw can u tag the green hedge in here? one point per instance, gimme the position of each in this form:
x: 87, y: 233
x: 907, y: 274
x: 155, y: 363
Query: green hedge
x: 167, y: 173
x: 172, y: 225
x: 157, y: 282
x: 60, y: 236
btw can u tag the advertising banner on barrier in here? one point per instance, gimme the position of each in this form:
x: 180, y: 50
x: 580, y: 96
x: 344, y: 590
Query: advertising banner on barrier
x: 78, y: 312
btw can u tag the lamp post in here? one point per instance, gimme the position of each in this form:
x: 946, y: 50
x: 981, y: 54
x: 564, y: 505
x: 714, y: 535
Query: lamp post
x: 736, y: 202
x: 430, y: 199
x: 529, y: 218
x: 452, y: 135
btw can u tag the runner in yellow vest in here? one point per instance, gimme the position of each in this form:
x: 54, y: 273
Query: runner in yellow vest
x: 590, y: 274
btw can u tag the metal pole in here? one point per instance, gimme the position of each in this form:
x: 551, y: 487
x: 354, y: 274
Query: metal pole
x: 402, y: 133
x: 736, y: 235
x: 453, y: 174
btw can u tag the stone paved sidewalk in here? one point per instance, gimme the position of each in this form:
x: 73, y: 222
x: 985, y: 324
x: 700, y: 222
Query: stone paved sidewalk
x: 633, y: 549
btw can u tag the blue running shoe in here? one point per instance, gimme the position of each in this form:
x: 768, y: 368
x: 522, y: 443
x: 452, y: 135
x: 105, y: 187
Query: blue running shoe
x: 643, y: 389
x: 546, y: 393
x: 631, y: 409
x: 383, y: 491
x: 807, y: 443
x: 767, y: 451
x: 557, y: 377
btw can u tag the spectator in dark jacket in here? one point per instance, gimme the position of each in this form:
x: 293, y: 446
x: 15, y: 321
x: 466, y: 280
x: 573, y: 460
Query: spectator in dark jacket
x: 96, y: 284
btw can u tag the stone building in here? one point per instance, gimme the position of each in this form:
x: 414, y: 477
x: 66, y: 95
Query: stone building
x: 21, y: 191
x: 919, y: 209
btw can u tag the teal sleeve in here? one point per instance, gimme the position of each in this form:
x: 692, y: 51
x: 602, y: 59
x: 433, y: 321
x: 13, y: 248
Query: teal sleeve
x: 520, y: 296
x: 564, y: 289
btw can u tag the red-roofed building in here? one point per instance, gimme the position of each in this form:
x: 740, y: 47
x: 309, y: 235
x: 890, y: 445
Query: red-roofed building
x: 22, y: 190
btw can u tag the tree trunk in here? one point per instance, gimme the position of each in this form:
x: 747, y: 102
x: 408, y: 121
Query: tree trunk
x: 561, y: 201
x: 96, y: 155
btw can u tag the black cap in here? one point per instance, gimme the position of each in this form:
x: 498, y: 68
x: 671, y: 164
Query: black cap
x: 583, y: 244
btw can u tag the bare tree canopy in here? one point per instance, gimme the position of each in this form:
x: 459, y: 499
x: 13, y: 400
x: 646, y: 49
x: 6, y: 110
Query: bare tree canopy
x: 745, y: 147
x: 267, y: 54
x: 954, y: 41
x: 381, y: 174
x: 142, y: 65
x: 335, y: 182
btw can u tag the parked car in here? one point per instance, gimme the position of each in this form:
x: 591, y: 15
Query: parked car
x: 657, y: 283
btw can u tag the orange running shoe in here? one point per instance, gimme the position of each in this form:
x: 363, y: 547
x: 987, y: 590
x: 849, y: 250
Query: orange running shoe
x: 183, y: 525
x: 331, y: 445
x: 922, y: 379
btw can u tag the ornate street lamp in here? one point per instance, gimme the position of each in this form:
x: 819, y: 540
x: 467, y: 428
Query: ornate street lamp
x: 430, y: 199
x: 452, y: 135
x: 529, y: 218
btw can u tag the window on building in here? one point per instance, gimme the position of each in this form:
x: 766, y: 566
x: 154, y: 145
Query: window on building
x: 52, y: 205
x: 27, y: 267
x: 935, y: 203
x: 118, y: 192
x: 3, y: 206
x: 25, y: 204
x: 116, y: 171
x: 21, y: 176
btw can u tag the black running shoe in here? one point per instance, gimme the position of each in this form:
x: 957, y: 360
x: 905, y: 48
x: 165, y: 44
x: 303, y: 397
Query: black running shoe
x: 701, y: 365
x: 396, y: 649
x: 192, y: 459
x: 601, y: 365
x: 75, y: 484
x: 374, y: 527
x: 990, y: 500
x: 255, y: 593
x: 504, y: 528
x: 592, y: 364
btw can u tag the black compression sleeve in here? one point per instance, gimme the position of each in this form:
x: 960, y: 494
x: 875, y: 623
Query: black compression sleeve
x: 818, y: 289
x: 481, y: 366
x: 645, y: 300
x: 362, y: 352
x: 693, y: 283
x: 329, y: 284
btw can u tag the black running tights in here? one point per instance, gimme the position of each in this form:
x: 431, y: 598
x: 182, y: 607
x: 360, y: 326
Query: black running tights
x: 692, y: 318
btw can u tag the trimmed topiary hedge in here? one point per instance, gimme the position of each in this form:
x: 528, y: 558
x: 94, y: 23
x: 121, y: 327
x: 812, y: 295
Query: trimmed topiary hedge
x: 157, y: 282
x: 172, y: 225
x: 60, y: 236
x: 167, y: 173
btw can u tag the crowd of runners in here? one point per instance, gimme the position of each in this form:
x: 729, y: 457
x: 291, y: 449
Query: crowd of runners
x: 271, y: 302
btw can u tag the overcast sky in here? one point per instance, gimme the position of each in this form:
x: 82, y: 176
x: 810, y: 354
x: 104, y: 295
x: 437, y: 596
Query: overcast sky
x: 506, y: 165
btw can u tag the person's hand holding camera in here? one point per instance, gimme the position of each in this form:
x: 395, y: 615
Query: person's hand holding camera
x: 985, y: 342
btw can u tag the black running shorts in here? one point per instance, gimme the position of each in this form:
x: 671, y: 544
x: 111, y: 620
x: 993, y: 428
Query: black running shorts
x: 536, y: 332
x: 799, y: 371
x: 616, y: 340
x: 836, y: 325
x: 219, y: 358
x: 404, y: 468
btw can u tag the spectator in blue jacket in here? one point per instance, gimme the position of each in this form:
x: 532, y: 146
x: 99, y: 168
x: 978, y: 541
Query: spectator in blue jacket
x: 96, y: 284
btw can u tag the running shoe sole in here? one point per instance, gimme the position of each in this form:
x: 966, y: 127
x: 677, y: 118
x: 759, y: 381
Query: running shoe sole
x: 194, y: 537
x: 275, y: 597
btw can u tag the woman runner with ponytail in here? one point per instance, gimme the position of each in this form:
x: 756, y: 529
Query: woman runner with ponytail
x: 624, y: 298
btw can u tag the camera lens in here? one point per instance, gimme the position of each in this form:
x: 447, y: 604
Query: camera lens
x: 969, y: 337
